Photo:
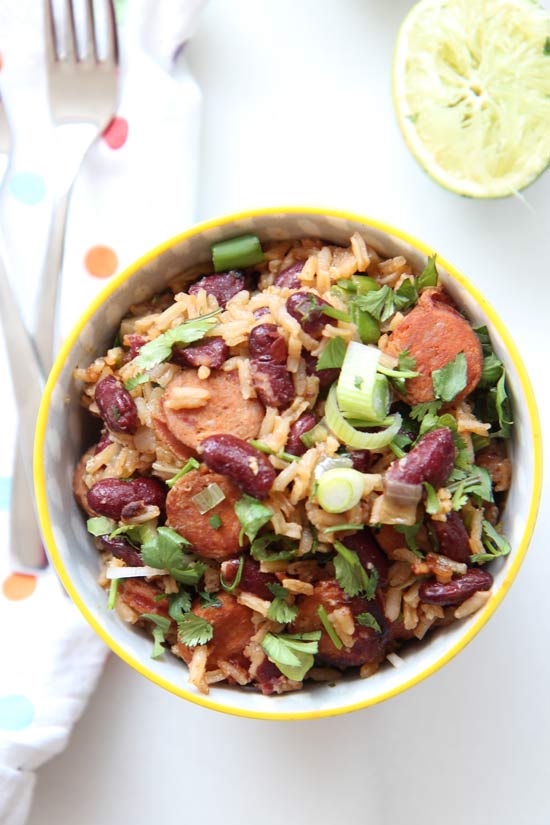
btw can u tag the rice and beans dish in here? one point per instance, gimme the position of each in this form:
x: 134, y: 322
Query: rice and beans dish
x: 300, y: 464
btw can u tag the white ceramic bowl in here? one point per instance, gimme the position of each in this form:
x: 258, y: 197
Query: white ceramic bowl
x: 60, y: 442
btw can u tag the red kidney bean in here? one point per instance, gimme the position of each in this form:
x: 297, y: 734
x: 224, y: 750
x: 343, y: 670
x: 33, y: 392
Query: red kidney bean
x: 252, y: 578
x: 431, y: 460
x: 307, y: 309
x: 211, y: 352
x: 289, y: 277
x: 250, y: 469
x: 269, y: 678
x: 368, y: 645
x: 272, y: 382
x: 260, y: 311
x: 103, y: 442
x: 135, y: 343
x: 326, y: 377
x: 266, y: 343
x: 369, y: 553
x: 223, y: 286
x: 121, y: 549
x: 116, y: 406
x: 294, y: 444
x: 361, y: 460
x: 457, y: 590
x: 110, y: 496
x: 452, y: 537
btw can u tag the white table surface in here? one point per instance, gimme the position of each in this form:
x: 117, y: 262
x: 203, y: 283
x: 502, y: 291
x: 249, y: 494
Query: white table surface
x: 298, y: 109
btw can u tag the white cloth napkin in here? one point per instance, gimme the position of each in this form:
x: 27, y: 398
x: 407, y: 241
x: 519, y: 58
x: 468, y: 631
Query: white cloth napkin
x: 136, y: 188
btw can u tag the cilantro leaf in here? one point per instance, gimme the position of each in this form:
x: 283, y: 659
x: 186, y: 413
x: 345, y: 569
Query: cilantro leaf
x: 419, y: 411
x: 492, y: 370
x: 410, y: 532
x: 406, y: 295
x: 136, y: 534
x: 191, y: 464
x: 432, y: 501
x: 162, y: 626
x: 180, y: 603
x: 193, y: 630
x: 333, y: 354
x: 259, y: 551
x: 160, y: 348
x: 367, y: 620
x: 164, y: 549
x: 451, y: 379
x: 406, y: 362
x: 379, y: 303
x: 280, y: 611
x: 292, y: 654
x: 484, y: 339
x: 350, y: 573
x: 428, y: 276
x: 100, y: 526
x: 495, y: 545
x: 209, y: 600
x: 476, y: 481
x: 278, y: 590
x: 215, y: 521
x: 252, y: 515
x: 503, y: 407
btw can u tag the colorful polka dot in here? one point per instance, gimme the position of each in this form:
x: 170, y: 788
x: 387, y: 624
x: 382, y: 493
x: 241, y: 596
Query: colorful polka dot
x: 101, y: 261
x: 16, y: 712
x: 18, y: 586
x: 5, y: 490
x: 28, y: 187
x: 116, y: 133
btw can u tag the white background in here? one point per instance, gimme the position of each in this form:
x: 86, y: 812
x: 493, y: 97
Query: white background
x: 297, y: 109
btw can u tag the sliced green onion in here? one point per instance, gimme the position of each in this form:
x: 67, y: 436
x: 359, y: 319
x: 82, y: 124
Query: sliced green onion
x: 341, y: 528
x: 113, y: 590
x: 192, y: 464
x: 397, y: 373
x: 334, y: 638
x: 264, y: 448
x: 236, y: 581
x: 317, y: 434
x: 337, y: 314
x: 236, y: 253
x: 340, y: 489
x: 346, y: 284
x: 367, y: 326
x: 215, y: 521
x: 361, y: 391
x: 134, y: 382
x: 100, y: 526
x: 364, y: 284
x: 355, y: 438
x: 208, y: 498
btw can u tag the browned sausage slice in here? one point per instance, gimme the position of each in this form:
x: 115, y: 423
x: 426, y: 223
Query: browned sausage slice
x: 368, y: 645
x: 233, y: 628
x: 226, y: 411
x: 183, y: 515
x: 140, y: 596
x: 434, y: 334
x: 165, y: 434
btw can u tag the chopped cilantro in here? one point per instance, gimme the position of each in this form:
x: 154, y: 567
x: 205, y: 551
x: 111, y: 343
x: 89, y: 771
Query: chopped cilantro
x: 259, y: 548
x: 420, y: 411
x: 164, y: 551
x: 495, y: 545
x: 162, y: 626
x: 215, y: 521
x: 350, y: 573
x: 406, y: 295
x: 503, y: 408
x: 367, y: 620
x: 160, y: 348
x: 193, y: 630
x: 209, y: 600
x: 432, y: 501
x: 191, y: 464
x: 476, y: 481
x: 252, y: 515
x: 180, y: 603
x: 136, y: 534
x: 333, y: 354
x: 292, y: 653
x: 410, y: 532
x: 451, y: 379
x: 279, y: 610
x: 406, y: 361
x: 492, y: 370
x: 379, y: 303
x: 428, y: 276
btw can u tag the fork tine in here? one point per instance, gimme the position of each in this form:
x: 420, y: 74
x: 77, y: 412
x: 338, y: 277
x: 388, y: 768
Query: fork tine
x: 51, y: 33
x: 70, y: 40
x: 91, y: 44
x: 112, y: 38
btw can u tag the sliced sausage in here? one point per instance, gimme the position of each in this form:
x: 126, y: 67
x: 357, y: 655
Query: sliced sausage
x: 226, y: 411
x: 233, y: 628
x: 183, y: 516
x: 165, y: 434
x: 140, y: 596
x: 368, y: 645
x: 434, y: 334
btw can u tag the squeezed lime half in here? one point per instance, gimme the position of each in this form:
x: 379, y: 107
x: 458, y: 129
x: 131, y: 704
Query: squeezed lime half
x: 472, y: 92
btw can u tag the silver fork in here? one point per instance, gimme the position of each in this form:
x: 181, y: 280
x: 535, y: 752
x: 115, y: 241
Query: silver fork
x: 83, y: 86
x: 26, y: 375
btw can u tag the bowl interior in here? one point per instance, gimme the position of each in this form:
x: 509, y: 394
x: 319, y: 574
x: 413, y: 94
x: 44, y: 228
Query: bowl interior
x: 63, y: 430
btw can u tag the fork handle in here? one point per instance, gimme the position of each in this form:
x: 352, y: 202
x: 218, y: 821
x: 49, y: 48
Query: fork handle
x: 27, y: 378
x: 44, y: 331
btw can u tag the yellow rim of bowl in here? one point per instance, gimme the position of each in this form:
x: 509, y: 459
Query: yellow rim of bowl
x: 40, y: 485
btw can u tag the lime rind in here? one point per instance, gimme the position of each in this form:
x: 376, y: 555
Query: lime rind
x: 472, y: 93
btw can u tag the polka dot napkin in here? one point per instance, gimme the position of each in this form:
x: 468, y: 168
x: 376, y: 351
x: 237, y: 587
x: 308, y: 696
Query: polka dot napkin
x: 136, y: 188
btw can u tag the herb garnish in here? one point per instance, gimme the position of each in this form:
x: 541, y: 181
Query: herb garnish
x: 164, y: 551
x: 428, y: 276
x: 451, y: 379
x: 333, y: 354
x: 191, y: 464
x: 432, y: 500
x: 160, y: 348
x: 367, y: 620
x: 162, y: 626
x: 292, y: 653
x: 332, y: 634
x: 193, y: 630
x: 252, y: 515
x: 495, y: 545
x: 279, y: 610
x: 350, y: 573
